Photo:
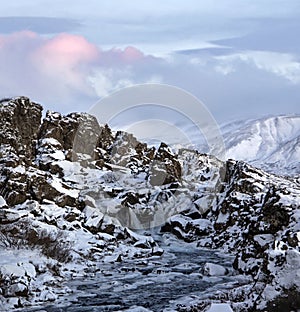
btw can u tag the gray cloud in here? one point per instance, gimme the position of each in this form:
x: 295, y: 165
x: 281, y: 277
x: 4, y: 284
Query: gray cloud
x: 41, y: 25
x: 280, y: 35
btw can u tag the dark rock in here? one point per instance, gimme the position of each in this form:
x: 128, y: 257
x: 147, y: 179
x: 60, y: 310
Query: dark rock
x: 20, y: 122
x: 165, y: 167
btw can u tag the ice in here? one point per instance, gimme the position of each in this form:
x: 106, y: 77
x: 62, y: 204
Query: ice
x: 137, y: 309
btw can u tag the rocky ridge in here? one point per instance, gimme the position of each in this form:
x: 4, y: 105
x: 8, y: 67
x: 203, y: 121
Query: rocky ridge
x: 73, y: 190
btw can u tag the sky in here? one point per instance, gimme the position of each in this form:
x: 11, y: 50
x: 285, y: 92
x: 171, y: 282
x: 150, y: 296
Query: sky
x: 241, y: 58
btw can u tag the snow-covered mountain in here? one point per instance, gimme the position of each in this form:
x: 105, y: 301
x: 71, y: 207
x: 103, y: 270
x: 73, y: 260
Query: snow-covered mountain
x: 271, y: 143
x: 77, y: 200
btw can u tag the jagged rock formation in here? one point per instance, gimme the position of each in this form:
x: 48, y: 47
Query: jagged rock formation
x: 20, y: 122
x: 257, y: 219
x: 72, y: 189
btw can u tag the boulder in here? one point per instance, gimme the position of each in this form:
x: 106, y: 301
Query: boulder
x: 212, y: 269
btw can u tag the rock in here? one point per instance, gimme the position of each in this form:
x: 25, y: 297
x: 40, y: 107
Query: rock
x: 20, y: 122
x: 119, y: 259
x: 93, y: 219
x: 10, y: 216
x: 77, y: 131
x: 47, y: 295
x: 17, y: 290
x: 165, y: 167
x: 186, y: 228
x: 29, y: 269
x: 106, y: 138
x: 156, y: 251
x: 211, y: 269
x: 12, y: 271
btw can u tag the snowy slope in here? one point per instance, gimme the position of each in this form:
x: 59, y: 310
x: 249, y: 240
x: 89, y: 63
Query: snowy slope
x: 271, y: 143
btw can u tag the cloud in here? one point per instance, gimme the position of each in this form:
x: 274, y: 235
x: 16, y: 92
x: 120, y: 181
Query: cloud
x: 106, y: 81
x: 63, y: 68
x: 38, y: 24
x: 67, y: 72
x: 268, y: 34
x: 281, y: 64
x: 67, y: 59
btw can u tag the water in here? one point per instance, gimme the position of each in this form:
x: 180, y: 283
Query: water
x: 152, y: 283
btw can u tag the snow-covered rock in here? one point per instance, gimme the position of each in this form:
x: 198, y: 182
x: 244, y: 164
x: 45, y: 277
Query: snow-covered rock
x: 212, y: 269
x: 2, y: 202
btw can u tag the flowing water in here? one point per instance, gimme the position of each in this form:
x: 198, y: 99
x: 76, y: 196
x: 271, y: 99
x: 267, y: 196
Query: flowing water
x: 153, y: 283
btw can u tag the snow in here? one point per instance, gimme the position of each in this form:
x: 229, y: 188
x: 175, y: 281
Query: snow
x: 246, y: 149
x: 18, y: 267
x: 12, y: 270
x: 2, y: 202
x: 58, y: 155
x: 47, y: 295
x: 50, y: 141
x: 56, y: 183
x: 94, y: 219
x: 271, y: 143
x: 263, y: 239
x: 19, y: 169
x: 223, y: 217
x: 137, y: 309
x: 220, y: 307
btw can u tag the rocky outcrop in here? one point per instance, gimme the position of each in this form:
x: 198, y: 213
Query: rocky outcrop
x: 165, y: 168
x: 20, y: 123
x: 255, y: 216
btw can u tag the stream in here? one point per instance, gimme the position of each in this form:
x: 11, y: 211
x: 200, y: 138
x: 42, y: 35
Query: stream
x: 153, y: 283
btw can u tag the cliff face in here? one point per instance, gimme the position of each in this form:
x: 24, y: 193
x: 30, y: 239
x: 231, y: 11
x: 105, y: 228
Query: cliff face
x: 73, y: 189
x: 20, y: 124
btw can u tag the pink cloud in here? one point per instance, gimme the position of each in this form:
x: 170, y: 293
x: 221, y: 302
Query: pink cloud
x: 41, y: 67
x: 127, y: 55
x: 66, y: 50
x: 67, y: 59
x: 11, y: 39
